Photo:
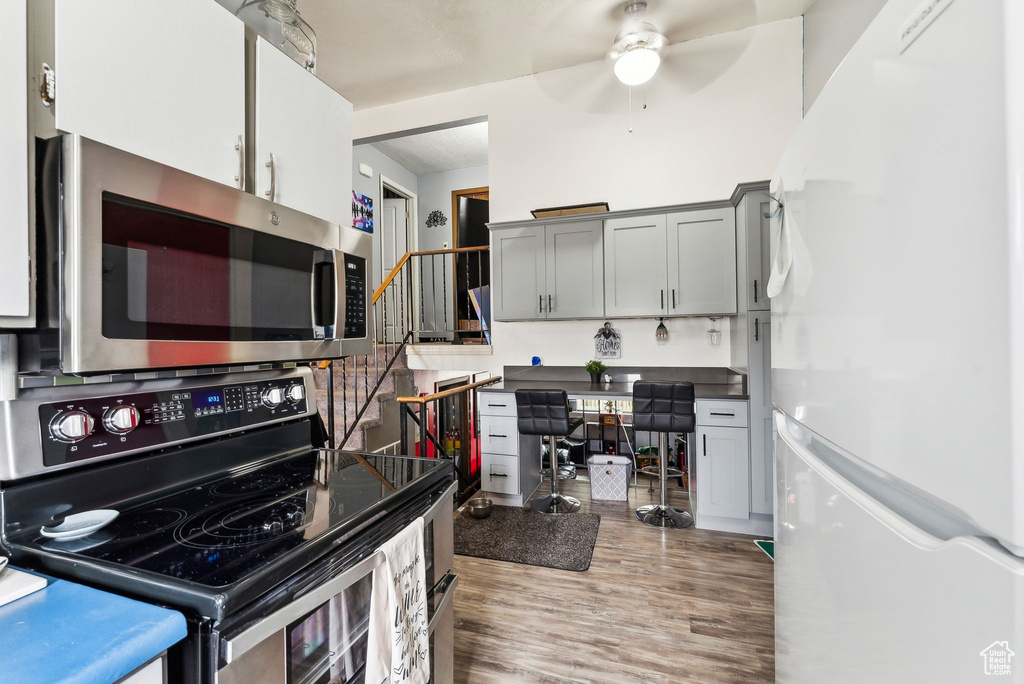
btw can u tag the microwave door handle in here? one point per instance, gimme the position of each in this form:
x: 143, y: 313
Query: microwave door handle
x: 327, y: 281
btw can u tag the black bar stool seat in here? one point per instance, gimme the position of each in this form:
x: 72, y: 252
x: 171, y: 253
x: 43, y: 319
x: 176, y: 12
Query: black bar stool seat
x: 546, y: 413
x: 663, y: 407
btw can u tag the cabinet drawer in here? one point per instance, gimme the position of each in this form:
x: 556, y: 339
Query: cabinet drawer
x: 497, y: 404
x: 499, y: 473
x: 722, y: 413
x: 499, y: 435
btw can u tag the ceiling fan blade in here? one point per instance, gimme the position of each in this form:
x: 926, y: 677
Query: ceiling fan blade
x: 691, y: 66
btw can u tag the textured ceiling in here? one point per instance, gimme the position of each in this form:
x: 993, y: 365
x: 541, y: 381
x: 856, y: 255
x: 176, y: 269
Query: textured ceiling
x: 444, y: 150
x: 381, y: 51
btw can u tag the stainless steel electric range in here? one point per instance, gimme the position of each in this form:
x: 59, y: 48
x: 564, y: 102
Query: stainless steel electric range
x: 228, y: 511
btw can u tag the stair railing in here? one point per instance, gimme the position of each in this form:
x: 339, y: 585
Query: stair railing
x: 430, y: 416
x: 406, y: 308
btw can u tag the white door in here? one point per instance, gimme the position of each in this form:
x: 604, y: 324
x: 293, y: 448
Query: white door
x: 723, y: 472
x: 635, y: 266
x: 163, y: 81
x: 702, y: 262
x: 307, y: 127
x: 575, y: 270
x: 394, y: 243
x: 759, y: 385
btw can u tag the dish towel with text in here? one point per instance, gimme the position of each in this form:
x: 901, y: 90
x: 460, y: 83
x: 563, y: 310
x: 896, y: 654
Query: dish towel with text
x: 398, y: 651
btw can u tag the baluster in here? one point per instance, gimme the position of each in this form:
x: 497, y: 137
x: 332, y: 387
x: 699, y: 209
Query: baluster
x: 422, y: 319
x: 433, y: 292
x: 480, y: 284
x: 344, y: 397
x: 330, y: 404
x: 401, y: 295
x: 469, y: 301
x: 444, y: 289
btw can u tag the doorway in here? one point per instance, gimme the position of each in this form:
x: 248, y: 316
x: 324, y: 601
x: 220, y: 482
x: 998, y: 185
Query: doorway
x: 397, y: 236
x: 472, y: 275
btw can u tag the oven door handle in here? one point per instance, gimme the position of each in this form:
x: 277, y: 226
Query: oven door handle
x: 446, y: 587
x: 327, y: 293
x: 288, y: 614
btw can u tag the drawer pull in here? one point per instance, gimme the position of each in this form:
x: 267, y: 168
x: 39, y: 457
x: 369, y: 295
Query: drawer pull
x: 501, y: 405
x: 499, y: 474
x: 730, y: 415
x: 504, y: 436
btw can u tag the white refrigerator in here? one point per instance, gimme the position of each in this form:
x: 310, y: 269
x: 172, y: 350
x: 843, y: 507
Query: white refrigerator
x: 898, y: 356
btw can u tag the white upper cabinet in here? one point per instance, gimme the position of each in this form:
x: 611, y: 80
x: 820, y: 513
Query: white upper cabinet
x: 307, y: 128
x: 575, y: 270
x: 635, y: 266
x: 702, y: 262
x: 163, y: 81
x: 517, y: 256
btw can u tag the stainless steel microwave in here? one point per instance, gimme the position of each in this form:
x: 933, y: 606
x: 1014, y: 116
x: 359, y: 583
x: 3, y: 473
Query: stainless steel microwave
x: 147, y: 267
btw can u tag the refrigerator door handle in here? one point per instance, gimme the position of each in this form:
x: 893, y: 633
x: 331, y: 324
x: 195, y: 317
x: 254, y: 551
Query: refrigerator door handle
x: 896, y: 523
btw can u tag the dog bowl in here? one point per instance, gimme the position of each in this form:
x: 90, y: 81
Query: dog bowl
x: 480, y: 508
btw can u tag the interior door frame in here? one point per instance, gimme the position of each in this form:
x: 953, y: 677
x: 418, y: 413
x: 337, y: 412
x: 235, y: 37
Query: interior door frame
x: 411, y: 237
x: 473, y: 193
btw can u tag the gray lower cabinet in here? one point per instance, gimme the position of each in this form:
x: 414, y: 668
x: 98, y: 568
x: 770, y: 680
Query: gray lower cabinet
x: 551, y: 271
x: 759, y: 385
x: 702, y: 262
x: 575, y: 270
x: 518, y: 262
x: 636, y: 270
x: 723, y: 472
x: 509, y: 461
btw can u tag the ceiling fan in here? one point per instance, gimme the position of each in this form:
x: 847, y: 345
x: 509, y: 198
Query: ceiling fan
x: 637, y: 47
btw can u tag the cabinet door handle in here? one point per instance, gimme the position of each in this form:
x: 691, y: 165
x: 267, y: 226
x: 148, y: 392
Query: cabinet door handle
x: 272, y: 192
x: 550, y: 307
x: 705, y: 439
x: 499, y: 474
x: 673, y: 297
x: 757, y: 328
x: 755, y: 290
x: 501, y: 405
x: 540, y: 303
x: 731, y: 415
x: 503, y: 436
x: 662, y: 299
x: 240, y: 178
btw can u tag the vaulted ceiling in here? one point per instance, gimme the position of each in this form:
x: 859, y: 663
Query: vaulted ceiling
x: 381, y: 51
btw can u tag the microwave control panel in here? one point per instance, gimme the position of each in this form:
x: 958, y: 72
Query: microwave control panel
x: 355, y: 297
x: 103, y: 426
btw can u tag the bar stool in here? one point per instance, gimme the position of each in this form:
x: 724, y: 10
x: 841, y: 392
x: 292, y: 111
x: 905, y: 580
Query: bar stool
x: 546, y: 412
x: 663, y: 407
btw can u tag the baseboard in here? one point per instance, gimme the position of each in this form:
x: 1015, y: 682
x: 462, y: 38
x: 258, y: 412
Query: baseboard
x: 758, y: 525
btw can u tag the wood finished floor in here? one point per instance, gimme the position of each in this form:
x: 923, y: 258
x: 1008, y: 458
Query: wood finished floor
x: 656, y: 606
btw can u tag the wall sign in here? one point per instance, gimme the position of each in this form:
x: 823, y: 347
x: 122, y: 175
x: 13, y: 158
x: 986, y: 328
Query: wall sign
x: 607, y: 343
x: 362, y: 212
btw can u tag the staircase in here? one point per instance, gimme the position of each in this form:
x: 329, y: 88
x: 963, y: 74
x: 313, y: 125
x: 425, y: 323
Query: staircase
x: 378, y: 426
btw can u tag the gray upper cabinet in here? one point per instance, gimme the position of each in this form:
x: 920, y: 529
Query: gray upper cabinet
x: 518, y: 262
x: 575, y: 270
x: 702, y: 262
x: 636, y: 270
x: 754, y: 247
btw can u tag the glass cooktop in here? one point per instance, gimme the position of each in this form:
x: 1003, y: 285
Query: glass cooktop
x: 219, y: 533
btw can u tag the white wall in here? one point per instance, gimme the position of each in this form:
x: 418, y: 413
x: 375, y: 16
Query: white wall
x: 831, y: 27
x: 719, y: 113
x: 392, y: 170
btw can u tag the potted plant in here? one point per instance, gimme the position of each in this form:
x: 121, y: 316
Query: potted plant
x: 595, y: 368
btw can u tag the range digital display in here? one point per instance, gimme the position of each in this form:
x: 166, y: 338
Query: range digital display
x: 201, y: 399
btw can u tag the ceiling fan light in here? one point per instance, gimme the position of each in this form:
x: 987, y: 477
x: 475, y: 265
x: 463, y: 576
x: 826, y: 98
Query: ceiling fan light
x: 637, y: 66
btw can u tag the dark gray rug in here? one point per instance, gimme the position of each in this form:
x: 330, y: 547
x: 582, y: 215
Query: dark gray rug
x: 522, y: 535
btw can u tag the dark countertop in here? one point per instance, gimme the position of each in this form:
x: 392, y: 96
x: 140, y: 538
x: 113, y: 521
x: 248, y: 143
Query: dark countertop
x: 715, y: 383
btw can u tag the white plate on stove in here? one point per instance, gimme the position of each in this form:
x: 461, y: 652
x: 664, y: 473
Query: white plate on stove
x: 80, y: 524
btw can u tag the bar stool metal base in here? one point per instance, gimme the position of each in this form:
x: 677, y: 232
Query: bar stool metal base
x: 657, y: 515
x: 564, y: 473
x: 554, y: 504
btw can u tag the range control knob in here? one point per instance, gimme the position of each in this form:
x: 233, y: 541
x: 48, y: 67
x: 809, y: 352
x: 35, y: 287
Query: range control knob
x: 72, y: 426
x: 295, y: 393
x: 273, y: 397
x: 121, y: 419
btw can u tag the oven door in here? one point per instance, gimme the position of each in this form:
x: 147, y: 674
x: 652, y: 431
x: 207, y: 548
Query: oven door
x: 321, y: 636
x: 164, y: 269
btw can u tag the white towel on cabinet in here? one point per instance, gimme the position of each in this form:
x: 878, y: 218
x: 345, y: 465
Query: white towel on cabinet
x: 398, y: 651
